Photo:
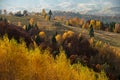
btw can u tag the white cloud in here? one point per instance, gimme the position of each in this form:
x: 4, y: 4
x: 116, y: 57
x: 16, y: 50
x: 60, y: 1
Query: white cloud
x: 64, y: 4
x: 100, y: 6
x: 86, y: 6
x: 105, y: 6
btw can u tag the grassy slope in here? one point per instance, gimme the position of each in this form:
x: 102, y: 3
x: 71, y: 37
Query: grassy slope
x: 107, y: 37
x: 50, y: 29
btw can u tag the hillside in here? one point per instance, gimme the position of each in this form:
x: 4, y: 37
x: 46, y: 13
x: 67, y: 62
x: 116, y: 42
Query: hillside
x: 75, y: 42
x: 51, y: 28
x: 20, y: 63
x: 107, y: 37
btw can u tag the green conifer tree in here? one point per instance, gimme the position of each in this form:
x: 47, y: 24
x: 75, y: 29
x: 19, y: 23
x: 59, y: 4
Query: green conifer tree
x: 54, y: 39
x: 28, y: 27
x: 38, y: 40
x: 1, y: 18
x: 50, y: 14
x: 91, y: 31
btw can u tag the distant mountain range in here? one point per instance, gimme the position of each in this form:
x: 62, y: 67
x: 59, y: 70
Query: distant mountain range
x: 114, y: 11
x: 106, y: 18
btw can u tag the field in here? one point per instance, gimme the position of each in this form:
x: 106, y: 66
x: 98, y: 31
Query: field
x: 71, y: 56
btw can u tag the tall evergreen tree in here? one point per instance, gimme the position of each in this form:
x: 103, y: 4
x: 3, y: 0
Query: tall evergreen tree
x: 28, y: 27
x: 50, y: 14
x: 38, y: 40
x: 1, y: 18
x: 91, y: 31
x: 111, y: 26
x: 54, y: 39
x: 5, y: 20
x: 25, y: 12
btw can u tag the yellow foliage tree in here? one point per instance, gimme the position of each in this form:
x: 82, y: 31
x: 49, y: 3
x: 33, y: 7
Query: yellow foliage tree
x: 58, y: 38
x: 70, y: 21
x: 24, y: 27
x: 117, y: 28
x: 47, y: 17
x: 81, y: 22
x: 98, y: 24
x: 92, y: 22
x: 31, y: 21
x: 98, y: 44
x: 86, y: 25
x: 76, y: 21
x: 70, y: 33
x: 42, y: 34
x: 44, y: 13
x: 67, y: 34
x: 67, y: 23
x: 19, y: 24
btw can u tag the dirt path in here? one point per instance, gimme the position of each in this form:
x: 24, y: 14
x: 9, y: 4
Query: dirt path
x: 108, y: 37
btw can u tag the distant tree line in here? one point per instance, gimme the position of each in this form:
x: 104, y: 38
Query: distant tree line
x: 19, y: 14
x: 46, y: 15
x: 3, y: 11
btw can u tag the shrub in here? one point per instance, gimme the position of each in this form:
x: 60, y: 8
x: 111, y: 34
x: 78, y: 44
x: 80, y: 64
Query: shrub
x: 24, y: 27
x: 58, y: 38
x: 64, y: 36
x: 31, y: 21
x: 42, y: 34
x: 19, y: 24
x: 117, y: 28
x: 68, y: 34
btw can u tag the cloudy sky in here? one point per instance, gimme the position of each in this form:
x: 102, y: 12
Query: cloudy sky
x: 82, y: 6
